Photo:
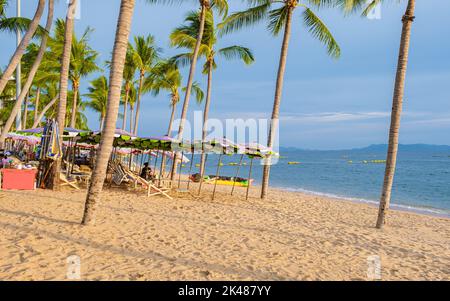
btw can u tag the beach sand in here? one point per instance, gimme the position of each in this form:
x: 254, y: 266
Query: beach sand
x: 289, y: 236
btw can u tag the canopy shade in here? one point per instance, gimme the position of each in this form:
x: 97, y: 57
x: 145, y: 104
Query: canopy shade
x: 165, y: 143
x: 68, y: 132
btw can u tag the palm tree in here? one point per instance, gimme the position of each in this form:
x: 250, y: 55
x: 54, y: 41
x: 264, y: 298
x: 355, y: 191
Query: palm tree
x: 82, y: 63
x: 397, y: 102
x: 98, y: 95
x: 128, y: 77
x: 166, y: 76
x: 222, y: 7
x: 48, y: 99
x: 115, y: 84
x: 279, y: 15
x: 185, y: 36
x: 144, y: 55
x: 15, y: 59
x: 64, y: 82
x: 31, y: 75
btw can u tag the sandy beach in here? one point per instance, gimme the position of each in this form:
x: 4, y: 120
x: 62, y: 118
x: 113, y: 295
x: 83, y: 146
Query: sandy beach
x: 290, y: 236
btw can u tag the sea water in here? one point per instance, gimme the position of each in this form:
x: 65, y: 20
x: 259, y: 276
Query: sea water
x: 421, y: 183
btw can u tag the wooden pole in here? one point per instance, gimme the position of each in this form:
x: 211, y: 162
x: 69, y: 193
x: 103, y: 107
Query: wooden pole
x: 142, y: 162
x: 190, y: 169
x: 237, y: 173
x: 201, y: 176
x: 179, y: 172
x: 249, y: 178
x: 217, y: 175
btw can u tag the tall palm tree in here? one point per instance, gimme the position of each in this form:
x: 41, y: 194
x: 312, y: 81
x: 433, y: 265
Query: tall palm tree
x: 166, y: 76
x: 144, y: 54
x: 279, y: 15
x: 64, y: 82
x: 15, y: 59
x: 82, y: 63
x: 397, y: 101
x: 185, y: 36
x: 31, y: 75
x: 128, y: 77
x: 48, y: 99
x: 115, y: 84
x: 397, y: 105
x: 222, y: 7
x: 98, y: 95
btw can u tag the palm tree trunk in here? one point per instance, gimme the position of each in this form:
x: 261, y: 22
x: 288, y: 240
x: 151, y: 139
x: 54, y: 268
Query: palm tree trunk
x: 17, y: 56
x: 131, y: 118
x: 138, y: 106
x: 64, y: 83
x: 73, y: 120
x: 36, y: 102
x: 397, y: 105
x: 189, y: 85
x: 169, y: 130
x: 31, y: 74
x: 205, y: 118
x: 25, y: 112
x: 277, y: 100
x: 125, y: 107
x: 115, y: 80
x: 102, y: 122
x: 46, y: 108
x: 172, y: 118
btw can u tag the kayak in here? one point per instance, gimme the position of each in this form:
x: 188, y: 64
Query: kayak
x: 226, y: 181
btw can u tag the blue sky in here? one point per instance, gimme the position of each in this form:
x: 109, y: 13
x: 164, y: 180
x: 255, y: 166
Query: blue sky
x: 327, y: 103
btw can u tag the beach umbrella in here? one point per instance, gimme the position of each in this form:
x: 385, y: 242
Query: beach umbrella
x: 68, y: 132
x: 54, y: 151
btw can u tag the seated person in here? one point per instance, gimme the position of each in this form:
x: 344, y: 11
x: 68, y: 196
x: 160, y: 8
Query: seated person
x: 5, y: 162
x: 146, y: 172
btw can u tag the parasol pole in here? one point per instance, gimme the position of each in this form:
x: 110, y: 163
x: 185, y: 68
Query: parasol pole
x: 237, y: 173
x: 190, y: 169
x: 217, y: 175
x: 179, y: 172
x: 201, y: 175
x: 249, y: 178
x: 142, y: 162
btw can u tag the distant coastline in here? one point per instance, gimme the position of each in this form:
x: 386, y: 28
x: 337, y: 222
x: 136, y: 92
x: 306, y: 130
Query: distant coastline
x: 419, y: 147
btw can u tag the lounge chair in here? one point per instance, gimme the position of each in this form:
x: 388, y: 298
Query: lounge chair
x: 152, y: 189
x: 69, y: 182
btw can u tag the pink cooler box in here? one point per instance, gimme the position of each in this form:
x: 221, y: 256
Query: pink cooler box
x: 18, y: 179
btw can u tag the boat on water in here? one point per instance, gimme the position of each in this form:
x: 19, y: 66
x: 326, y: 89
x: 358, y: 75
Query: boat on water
x: 222, y: 180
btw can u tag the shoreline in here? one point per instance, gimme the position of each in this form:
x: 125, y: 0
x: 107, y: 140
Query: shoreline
x: 434, y: 212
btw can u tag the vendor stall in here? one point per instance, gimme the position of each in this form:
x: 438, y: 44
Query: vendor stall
x: 18, y: 179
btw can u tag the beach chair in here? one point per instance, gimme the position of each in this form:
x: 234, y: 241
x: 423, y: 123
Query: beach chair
x: 118, y: 175
x: 152, y: 189
x: 68, y: 182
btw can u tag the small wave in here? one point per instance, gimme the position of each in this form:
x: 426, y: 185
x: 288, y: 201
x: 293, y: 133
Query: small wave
x: 399, y: 207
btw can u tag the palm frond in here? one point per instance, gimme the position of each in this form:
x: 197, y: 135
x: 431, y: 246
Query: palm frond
x: 320, y: 31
